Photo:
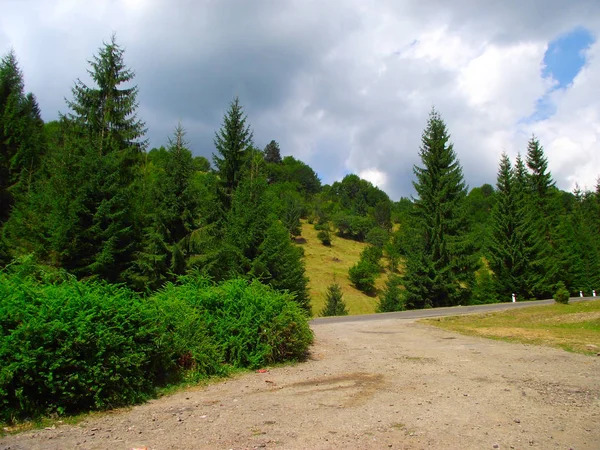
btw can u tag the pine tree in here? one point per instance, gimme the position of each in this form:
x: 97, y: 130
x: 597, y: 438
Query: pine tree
x: 280, y: 264
x: 84, y: 200
x: 334, y: 302
x: 173, y: 204
x: 232, y: 142
x: 541, y: 221
x: 21, y: 135
x: 441, y: 263
x: 291, y: 215
x: 391, y: 298
x: 272, y: 153
x: 506, y: 254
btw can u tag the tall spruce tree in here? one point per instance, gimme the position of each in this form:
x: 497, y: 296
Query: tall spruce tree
x: 507, y: 254
x: 541, y: 217
x: 232, y: 142
x: 21, y: 135
x: 272, y: 153
x: 441, y: 262
x: 169, y: 218
x: 84, y: 200
x: 105, y: 127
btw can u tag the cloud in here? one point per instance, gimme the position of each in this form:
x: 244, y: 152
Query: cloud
x: 344, y: 85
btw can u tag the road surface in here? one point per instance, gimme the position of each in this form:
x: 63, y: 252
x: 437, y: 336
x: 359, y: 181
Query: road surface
x: 439, y: 312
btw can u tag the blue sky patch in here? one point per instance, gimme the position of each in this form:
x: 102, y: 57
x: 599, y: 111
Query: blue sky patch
x: 564, y: 57
x: 563, y: 60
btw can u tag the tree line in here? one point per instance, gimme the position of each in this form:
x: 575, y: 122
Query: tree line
x: 83, y: 193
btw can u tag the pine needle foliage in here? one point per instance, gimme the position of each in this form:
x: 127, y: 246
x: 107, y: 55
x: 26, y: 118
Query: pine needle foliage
x: 334, y: 302
x: 441, y: 262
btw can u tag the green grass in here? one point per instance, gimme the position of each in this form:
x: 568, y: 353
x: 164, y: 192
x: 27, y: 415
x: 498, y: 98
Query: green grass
x: 326, y: 265
x: 574, y: 327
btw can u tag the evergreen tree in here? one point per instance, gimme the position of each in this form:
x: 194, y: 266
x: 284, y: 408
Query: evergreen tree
x: 441, y: 263
x: 541, y: 220
x: 578, y: 249
x: 173, y: 204
x: 507, y: 256
x: 104, y: 125
x: 272, y: 153
x: 291, y: 215
x: 334, y: 302
x: 21, y: 135
x: 83, y: 201
x: 232, y: 142
x: 280, y: 264
x: 390, y: 298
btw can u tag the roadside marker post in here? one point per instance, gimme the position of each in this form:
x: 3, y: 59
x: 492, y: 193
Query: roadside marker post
x: 514, y: 298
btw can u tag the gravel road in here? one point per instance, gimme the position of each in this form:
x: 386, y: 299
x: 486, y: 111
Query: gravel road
x: 385, y: 384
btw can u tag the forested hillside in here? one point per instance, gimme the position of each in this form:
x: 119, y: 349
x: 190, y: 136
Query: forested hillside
x: 85, y: 194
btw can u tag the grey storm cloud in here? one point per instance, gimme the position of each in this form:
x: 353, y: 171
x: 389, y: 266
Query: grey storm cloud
x: 345, y: 86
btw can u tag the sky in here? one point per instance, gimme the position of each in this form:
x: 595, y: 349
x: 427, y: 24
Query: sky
x: 343, y: 85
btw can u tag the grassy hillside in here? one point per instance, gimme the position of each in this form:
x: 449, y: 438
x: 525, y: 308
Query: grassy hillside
x: 326, y: 264
x: 574, y: 327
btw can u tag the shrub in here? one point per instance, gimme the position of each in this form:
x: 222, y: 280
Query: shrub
x: 484, y: 291
x: 252, y: 324
x: 561, y: 295
x: 334, y: 304
x: 325, y: 237
x: 353, y: 227
x: 372, y: 254
x: 72, y: 346
x: 377, y: 237
x: 363, y: 274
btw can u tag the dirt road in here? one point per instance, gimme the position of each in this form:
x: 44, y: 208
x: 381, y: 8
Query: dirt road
x: 369, y: 385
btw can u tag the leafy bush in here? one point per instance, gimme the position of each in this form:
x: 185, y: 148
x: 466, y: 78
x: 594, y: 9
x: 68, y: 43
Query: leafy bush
x: 372, y: 254
x: 561, y: 295
x: 377, y: 237
x: 334, y: 304
x: 68, y: 346
x: 74, y: 346
x: 325, y: 237
x: 353, y: 227
x: 363, y: 275
x: 251, y: 324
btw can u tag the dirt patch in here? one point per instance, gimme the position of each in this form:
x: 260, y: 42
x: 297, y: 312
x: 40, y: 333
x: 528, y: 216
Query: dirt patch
x: 372, y: 385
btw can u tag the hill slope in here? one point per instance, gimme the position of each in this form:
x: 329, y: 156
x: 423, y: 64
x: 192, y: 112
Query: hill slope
x: 326, y: 265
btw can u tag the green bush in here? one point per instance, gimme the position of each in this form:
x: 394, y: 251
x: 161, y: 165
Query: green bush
x: 252, y: 324
x: 561, y: 295
x: 377, y: 237
x: 363, y: 275
x: 373, y: 255
x: 353, y: 227
x: 74, y: 346
x: 69, y: 346
x: 325, y: 237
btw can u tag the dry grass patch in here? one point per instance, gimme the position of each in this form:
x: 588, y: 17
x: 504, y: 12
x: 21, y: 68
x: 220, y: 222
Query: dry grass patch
x: 329, y: 264
x: 574, y: 327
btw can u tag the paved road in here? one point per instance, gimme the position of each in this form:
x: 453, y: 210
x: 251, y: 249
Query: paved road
x: 439, y: 312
